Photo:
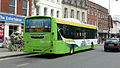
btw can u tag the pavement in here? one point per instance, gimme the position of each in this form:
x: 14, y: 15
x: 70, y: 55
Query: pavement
x: 4, y: 53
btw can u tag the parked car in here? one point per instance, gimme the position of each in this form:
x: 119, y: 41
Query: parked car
x: 112, y: 44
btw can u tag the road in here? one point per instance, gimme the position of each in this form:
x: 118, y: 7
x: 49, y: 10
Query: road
x: 96, y: 58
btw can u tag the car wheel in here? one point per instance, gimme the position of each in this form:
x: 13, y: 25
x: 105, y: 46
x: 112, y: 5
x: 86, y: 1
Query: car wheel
x: 118, y: 49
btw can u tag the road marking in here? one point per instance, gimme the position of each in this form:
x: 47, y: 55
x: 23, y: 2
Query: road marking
x: 23, y: 64
x: 17, y: 57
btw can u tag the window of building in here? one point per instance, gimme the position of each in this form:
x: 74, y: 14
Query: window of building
x: 95, y: 23
x: 78, y: 15
x: 88, y: 10
x: 69, y: 1
x: 66, y: 1
x: 52, y: 11
x: 52, y: 0
x: 83, y: 16
x: 83, y: 4
x: 88, y: 21
x: 12, y: 29
x: 37, y: 10
x: 45, y: 11
x: 65, y: 13
x: 92, y: 22
x: 12, y: 6
x: 72, y: 13
x: 72, y: 2
x: 57, y: 14
x: 92, y: 11
x: 24, y: 9
x: 58, y: 1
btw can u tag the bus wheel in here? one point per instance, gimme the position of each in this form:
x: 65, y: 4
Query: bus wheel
x: 92, y: 45
x: 71, y: 50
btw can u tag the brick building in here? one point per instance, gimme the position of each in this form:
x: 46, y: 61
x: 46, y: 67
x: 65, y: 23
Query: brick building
x: 98, y: 16
x: 12, y: 13
x: 19, y: 7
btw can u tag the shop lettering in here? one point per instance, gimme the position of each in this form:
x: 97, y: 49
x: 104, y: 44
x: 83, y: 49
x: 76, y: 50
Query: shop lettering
x: 11, y: 18
x: 2, y: 17
x: 14, y: 19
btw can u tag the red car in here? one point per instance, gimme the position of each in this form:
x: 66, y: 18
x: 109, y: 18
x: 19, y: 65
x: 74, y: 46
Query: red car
x: 112, y: 44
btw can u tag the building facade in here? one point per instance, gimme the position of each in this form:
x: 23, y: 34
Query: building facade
x: 12, y: 13
x: 115, y: 31
x: 116, y: 28
x: 76, y: 9
x: 17, y: 7
x: 47, y: 8
x: 98, y: 16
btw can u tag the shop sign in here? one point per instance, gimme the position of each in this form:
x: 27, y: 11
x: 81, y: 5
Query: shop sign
x: 1, y: 32
x: 11, y: 18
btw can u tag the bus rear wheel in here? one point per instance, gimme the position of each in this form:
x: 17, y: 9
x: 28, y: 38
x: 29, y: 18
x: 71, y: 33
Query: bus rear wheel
x: 71, y: 50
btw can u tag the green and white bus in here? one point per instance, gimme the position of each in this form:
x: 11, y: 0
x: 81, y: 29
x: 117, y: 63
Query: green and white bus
x: 45, y: 34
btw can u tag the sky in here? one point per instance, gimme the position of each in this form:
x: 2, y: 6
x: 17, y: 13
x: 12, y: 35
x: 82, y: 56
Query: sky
x: 114, y: 5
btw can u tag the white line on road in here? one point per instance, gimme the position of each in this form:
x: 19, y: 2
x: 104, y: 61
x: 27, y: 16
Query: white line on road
x: 17, y: 57
x: 23, y: 64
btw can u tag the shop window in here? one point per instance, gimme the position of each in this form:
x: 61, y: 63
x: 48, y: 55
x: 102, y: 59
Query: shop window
x: 12, y: 29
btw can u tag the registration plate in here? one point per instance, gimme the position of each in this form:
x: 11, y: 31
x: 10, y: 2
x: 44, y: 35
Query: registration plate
x: 111, y: 44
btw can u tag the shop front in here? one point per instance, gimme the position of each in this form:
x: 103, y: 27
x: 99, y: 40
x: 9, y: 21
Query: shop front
x: 9, y: 23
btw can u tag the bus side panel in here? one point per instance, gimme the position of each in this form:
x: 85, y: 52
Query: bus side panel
x: 85, y: 47
x: 82, y: 48
x: 60, y: 47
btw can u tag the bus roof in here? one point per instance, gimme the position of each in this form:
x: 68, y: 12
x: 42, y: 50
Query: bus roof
x: 75, y: 24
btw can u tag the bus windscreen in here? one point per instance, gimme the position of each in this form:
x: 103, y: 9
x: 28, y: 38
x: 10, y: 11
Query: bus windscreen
x: 38, y: 25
